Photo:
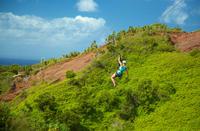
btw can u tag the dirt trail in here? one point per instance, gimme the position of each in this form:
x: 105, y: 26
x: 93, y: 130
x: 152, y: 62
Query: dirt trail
x: 50, y: 74
x: 186, y: 41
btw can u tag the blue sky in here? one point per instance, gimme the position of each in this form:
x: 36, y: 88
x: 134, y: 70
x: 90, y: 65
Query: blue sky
x: 31, y: 29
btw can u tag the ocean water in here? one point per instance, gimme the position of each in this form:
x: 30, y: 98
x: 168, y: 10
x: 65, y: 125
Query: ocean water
x: 22, y: 62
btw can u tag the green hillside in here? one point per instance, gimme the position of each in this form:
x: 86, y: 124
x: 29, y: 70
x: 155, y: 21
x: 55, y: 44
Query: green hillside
x: 161, y: 92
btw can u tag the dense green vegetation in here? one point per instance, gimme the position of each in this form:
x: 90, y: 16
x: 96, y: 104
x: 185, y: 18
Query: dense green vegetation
x: 161, y: 93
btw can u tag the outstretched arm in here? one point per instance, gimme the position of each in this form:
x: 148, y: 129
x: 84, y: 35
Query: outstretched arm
x: 119, y: 61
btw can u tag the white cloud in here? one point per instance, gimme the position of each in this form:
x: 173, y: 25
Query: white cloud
x: 87, y: 5
x: 176, y: 13
x: 62, y: 33
x: 37, y: 28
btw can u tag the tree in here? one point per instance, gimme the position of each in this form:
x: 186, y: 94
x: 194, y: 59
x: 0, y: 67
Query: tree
x: 70, y: 74
x: 94, y: 45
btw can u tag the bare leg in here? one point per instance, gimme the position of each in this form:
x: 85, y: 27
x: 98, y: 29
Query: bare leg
x: 113, y: 79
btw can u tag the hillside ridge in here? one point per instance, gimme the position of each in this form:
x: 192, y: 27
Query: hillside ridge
x: 183, y: 41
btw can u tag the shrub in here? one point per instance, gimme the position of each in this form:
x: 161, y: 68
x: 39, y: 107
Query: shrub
x: 5, y: 81
x: 166, y: 47
x: 98, y: 64
x: 15, y: 68
x: 35, y: 71
x: 46, y: 102
x: 71, y: 54
x: 195, y: 52
x: 111, y: 48
x: 93, y: 45
x: 71, y: 119
x: 106, y: 100
x: 20, y: 123
x: 23, y: 94
x: 4, y: 116
x: 149, y: 93
x: 128, y: 109
x: 27, y: 70
x: 3, y: 68
x: 70, y: 74
x: 47, y: 105
x: 146, y: 94
x: 165, y: 90
x: 76, y: 82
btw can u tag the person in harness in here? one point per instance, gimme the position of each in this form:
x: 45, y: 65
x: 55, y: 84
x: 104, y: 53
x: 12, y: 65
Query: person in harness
x: 120, y: 71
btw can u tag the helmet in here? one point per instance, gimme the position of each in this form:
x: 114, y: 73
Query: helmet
x: 124, y: 62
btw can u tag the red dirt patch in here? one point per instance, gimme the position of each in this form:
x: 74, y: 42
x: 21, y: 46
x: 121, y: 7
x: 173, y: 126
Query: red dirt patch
x: 57, y: 71
x: 186, y: 41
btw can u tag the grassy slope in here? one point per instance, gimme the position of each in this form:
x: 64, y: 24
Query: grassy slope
x: 161, y: 93
x: 181, y: 112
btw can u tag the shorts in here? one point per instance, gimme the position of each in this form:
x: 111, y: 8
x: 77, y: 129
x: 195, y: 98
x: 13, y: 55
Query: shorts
x: 118, y: 74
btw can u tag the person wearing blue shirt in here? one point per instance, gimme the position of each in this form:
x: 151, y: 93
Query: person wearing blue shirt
x: 120, y: 71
